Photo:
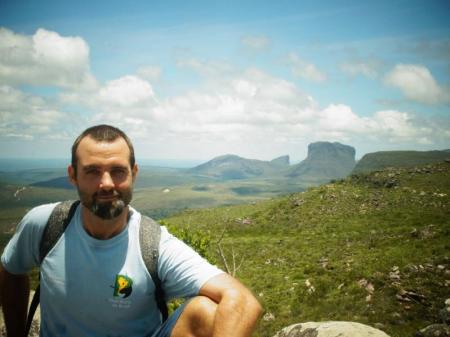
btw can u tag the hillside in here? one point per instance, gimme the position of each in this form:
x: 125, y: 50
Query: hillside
x: 325, y: 161
x: 373, y: 248
x: 234, y: 167
x: 383, y: 159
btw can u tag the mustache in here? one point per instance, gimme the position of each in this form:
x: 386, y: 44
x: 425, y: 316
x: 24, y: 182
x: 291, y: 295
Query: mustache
x: 102, y: 193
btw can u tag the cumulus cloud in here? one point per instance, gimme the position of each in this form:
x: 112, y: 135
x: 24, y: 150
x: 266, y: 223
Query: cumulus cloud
x: 252, y: 111
x: 417, y: 84
x: 252, y: 107
x: 303, y: 69
x: 126, y: 91
x: 25, y: 116
x: 369, y: 68
x: 45, y: 58
x: 255, y: 43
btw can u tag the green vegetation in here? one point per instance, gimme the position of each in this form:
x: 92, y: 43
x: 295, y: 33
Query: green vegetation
x: 372, y: 248
x: 383, y: 159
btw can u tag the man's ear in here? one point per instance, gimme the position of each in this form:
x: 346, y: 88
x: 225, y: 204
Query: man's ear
x: 134, y: 172
x: 72, y: 175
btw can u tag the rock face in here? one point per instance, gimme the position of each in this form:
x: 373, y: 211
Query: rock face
x: 325, y: 161
x: 330, y: 329
x: 281, y: 161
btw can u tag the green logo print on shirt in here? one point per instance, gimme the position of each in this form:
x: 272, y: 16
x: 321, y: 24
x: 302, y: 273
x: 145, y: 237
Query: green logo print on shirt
x: 123, y: 286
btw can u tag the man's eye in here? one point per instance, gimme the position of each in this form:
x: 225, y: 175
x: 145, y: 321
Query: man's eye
x: 93, y: 172
x: 119, y: 172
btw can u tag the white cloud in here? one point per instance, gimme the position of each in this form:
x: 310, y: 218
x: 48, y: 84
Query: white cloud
x: 30, y: 117
x: 417, y: 84
x: 398, y: 126
x: 340, y: 119
x: 150, y: 73
x: 303, y: 69
x: 256, y: 43
x: 249, y: 113
x: 45, y: 58
x: 126, y: 91
x: 369, y: 68
x: 206, y: 68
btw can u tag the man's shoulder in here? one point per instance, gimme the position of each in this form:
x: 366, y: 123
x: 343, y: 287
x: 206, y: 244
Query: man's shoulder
x: 39, y: 215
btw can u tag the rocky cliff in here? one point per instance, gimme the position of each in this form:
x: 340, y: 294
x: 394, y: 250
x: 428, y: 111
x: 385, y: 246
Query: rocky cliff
x: 325, y: 161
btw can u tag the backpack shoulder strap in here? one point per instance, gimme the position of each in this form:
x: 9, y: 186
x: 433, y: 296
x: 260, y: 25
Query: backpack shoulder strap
x: 149, y: 237
x: 56, y: 225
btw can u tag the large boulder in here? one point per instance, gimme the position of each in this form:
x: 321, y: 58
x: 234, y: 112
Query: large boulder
x: 330, y: 329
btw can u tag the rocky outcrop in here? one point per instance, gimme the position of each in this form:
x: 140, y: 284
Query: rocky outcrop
x: 434, y: 330
x: 281, y: 161
x: 330, y: 329
x: 325, y: 161
x: 441, y: 329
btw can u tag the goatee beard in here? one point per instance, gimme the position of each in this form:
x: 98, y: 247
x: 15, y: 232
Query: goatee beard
x: 106, y: 210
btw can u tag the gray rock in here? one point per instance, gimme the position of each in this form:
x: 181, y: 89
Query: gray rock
x: 330, y: 329
x: 444, y: 314
x: 434, y: 330
x: 325, y: 161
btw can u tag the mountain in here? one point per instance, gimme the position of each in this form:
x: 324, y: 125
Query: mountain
x: 380, y: 160
x: 234, y: 167
x: 325, y: 161
x: 60, y: 182
x: 281, y: 161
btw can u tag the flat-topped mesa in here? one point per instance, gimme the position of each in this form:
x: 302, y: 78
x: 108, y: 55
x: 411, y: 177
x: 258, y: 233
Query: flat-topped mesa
x: 325, y: 161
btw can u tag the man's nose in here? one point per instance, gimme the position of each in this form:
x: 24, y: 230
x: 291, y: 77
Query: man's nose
x: 106, y: 182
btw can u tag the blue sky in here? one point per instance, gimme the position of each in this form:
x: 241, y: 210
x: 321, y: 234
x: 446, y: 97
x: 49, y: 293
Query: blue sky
x: 198, y: 79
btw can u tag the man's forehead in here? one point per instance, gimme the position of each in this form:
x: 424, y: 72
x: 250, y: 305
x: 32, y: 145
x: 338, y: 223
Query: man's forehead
x: 89, y: 147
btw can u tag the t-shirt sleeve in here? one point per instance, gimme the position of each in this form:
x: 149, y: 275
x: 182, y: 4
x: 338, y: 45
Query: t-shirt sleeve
x: 182, y: 270
x: 21, y: 254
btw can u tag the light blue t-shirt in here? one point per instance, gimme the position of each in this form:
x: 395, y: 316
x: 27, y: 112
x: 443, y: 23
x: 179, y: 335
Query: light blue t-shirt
x: 102, y: 288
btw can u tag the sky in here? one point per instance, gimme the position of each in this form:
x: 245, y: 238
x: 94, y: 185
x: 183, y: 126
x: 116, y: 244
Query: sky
x: 192, y: 80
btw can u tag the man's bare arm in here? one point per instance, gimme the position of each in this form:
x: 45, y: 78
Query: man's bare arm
x: 14, y: 292
x: 237, y: 311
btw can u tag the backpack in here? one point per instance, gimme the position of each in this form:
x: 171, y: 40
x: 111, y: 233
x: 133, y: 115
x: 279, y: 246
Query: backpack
x: 149, y: 237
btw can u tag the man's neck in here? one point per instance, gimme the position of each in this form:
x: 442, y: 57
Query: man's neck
x: 103, y: 229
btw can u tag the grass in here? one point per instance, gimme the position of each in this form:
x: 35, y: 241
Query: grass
x: 372, y: 248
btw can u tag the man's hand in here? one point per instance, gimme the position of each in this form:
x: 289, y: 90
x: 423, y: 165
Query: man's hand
x: 237, y: 309
x: 14, y: 292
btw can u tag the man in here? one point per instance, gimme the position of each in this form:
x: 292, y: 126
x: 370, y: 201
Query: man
x: 99, y: 253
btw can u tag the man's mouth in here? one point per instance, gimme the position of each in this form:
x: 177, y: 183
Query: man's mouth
x: 107, y: 197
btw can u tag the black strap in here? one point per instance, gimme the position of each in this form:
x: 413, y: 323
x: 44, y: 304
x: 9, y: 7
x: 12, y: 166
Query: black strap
x: 149, y: 237
x: 56, y: 225
x: 33, y: 307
